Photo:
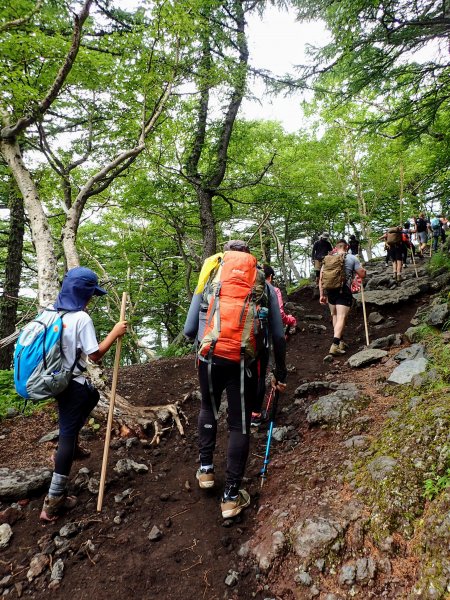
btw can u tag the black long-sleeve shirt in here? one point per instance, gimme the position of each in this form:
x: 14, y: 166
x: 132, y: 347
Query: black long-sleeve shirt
x: 321, y: 249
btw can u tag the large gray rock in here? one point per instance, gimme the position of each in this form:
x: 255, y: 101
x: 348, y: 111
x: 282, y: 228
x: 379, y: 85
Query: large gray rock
x: 407, y: 370
x: 336, y: 407
x: 20, y: 483
x: 366, y: 357
x: 394, y: 339
x: 413, y: 334
x: 414, y: 351
x: 399, y: 294
x: 312, y: 538
x: 438, y: 315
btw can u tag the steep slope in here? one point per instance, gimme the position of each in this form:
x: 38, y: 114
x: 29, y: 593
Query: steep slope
x: 159, y: 536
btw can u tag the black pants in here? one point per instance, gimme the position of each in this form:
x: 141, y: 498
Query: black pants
x: 75, y: 404
x: 226, y: 375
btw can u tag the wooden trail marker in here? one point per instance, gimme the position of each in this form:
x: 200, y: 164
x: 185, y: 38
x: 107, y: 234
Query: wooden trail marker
x: 111, y: 409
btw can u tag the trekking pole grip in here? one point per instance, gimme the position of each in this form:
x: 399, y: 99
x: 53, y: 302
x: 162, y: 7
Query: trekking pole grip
x: 111, y: 408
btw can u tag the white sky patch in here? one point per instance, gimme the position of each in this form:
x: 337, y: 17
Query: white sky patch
x: 278, y: 43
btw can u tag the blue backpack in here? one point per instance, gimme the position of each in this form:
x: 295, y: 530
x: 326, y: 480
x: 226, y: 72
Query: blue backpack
x: 38, y: 369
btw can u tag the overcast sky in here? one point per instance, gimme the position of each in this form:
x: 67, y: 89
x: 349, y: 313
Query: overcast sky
x: 278, y: 43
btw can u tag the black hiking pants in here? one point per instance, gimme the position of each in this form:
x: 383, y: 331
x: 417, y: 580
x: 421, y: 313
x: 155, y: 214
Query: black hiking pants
x: 226, y: 375
x: 75, y: 404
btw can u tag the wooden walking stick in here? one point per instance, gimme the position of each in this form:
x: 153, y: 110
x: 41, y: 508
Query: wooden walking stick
x: 414, y: 263
x: 112, y: 400
x: 364, y: 312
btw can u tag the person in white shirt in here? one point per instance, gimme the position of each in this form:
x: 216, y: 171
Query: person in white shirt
x: 80, y: 397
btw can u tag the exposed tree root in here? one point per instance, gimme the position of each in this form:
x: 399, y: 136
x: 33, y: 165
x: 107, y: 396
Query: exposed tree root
x: 137, y: 418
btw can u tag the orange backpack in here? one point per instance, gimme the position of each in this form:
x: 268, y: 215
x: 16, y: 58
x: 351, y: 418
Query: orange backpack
x: 235, y: 295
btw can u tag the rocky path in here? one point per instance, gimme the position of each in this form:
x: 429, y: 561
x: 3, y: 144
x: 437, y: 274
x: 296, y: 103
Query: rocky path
x: 306, y: 534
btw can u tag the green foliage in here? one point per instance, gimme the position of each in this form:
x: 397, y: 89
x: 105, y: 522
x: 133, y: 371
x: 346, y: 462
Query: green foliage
x: 436, y: 484
x: 175, y: 351
x: 92, y: 423
x: 438, y: 261
x: 10, y: 399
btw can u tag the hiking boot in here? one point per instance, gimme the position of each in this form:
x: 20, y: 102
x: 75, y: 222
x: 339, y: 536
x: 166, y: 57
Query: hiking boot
x: 335, y: 350
x: 53, y: 505
x: 343, y: 345
x: 232, y: 506
x: 256, y: 419
x: 205, y: 478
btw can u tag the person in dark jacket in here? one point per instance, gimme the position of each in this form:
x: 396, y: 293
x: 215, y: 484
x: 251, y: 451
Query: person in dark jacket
x: 320, y: 249
x: 353, y: 245
x: 219, y: 374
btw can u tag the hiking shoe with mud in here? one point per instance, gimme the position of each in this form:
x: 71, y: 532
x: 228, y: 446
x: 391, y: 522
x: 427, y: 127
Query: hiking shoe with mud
x: 343, y: 346
x: 205, y: 478
x: 54, y: 505
x: 231, y: 506
x: 335, y: 350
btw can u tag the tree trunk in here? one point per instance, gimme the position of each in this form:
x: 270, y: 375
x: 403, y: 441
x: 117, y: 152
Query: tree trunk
x: 40, y: 230
x: 281, y: 253
x: 207, y: 222
x: 13, y: 269
x: 366, y: 230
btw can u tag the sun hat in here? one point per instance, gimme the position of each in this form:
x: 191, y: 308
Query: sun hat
x: 78, y: 287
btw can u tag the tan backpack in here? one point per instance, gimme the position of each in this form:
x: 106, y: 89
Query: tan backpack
x: 333, y: 271
x: 393, y: 236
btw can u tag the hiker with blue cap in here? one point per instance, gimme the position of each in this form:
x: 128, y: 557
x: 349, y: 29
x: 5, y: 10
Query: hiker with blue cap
x: 75, y: 402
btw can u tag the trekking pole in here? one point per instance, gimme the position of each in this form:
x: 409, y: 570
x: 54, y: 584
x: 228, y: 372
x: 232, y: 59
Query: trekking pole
x: 364, y: 312
x: 414, y: 263
x: 112, y: 400
x: 263, y: 472
x: 266, y: 412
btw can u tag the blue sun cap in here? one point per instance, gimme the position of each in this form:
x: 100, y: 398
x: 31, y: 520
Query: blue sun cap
x: 78, y: 287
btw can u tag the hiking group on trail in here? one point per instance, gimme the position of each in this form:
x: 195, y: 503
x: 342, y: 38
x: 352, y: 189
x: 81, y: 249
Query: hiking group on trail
x: 399, y: 241
x: 237, y: 319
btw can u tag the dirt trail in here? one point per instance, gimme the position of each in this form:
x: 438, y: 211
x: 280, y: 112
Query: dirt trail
x: 197, y: 550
